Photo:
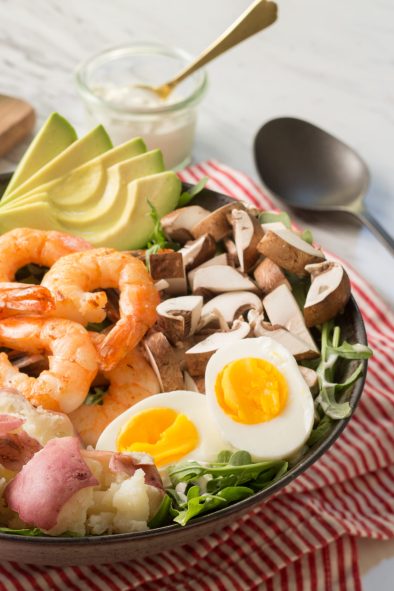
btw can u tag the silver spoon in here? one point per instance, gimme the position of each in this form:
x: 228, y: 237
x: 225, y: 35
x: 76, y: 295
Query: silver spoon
x: 309, y: 169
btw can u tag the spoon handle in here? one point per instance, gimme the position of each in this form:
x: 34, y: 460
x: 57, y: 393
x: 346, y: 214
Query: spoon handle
x: 368, y: 220
x: 258, y: 16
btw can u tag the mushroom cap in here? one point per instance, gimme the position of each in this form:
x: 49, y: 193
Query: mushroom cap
x: 220, y: 279
x: 177, y: 224
x: 328, y: 294
x: 282, y: 309
x: 247, y: 233
x: 289, y: 251
x: 232, y: 304
x: 196, y: 252
x: 178, y: 317
x: 216, y: 223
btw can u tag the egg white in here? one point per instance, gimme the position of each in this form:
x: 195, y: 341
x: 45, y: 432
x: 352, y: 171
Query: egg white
x: 192, y: 404
x: 283, y: 435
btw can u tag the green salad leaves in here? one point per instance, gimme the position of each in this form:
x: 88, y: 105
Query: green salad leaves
x: 331, y: 352
x: 187, y: 196
x: 198, y: 488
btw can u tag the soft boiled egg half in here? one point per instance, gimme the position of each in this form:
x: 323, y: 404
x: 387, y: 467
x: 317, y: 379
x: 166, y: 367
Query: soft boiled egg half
x: 259, y: 399
x: 171, y: 427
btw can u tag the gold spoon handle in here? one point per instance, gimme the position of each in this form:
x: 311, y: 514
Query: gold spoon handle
x: 258, y: 16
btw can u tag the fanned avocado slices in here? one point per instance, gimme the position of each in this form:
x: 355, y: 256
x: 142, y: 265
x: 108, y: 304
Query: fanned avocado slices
x: 53, y: 138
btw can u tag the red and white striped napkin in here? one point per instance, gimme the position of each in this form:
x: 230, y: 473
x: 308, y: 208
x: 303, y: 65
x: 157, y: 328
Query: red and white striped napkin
x: 304, y: 538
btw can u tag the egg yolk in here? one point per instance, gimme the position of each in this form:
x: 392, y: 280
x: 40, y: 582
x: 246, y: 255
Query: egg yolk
x: 163, y: 433
x: 251, y: 391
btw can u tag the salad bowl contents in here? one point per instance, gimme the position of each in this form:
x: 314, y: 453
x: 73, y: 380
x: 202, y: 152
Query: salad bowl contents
x: 170, y: 357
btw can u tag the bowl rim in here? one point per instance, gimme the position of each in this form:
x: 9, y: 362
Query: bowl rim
x: 240, y: 507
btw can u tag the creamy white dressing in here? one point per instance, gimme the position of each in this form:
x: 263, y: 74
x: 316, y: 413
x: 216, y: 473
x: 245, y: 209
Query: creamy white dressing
x: 173, y: 132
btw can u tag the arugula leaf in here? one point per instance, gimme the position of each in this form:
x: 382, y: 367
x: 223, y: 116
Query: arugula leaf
x: 187, y: 196
x: 307, y: 236
x: 320, y: 431
x: 164, y: 514
x: 349, y: 351
x: 240, y: 458
x: 157, y: 236
x: 269, y: 217
x: 96, y: 396
x: 158, y: 240
x: 234, y: 476
x: 35, y: 531
x: 198, y: 505
x: 235, y: 493
x: 224, y: 456
x: 331, y: 351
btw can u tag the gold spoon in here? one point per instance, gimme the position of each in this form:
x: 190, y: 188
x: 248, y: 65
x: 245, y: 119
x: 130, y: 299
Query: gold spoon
x: 259, y: 15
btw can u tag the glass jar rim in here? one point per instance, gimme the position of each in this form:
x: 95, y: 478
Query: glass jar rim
x: 140, y: 48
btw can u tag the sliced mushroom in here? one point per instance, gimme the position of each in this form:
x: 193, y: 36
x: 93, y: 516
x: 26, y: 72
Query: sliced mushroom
x: 247, y: 234
x: 289, y: 251
x: 198, y: 356
x: 169, y: 266
x: 273, y: 226
x: 310, y: 377
x: 216, y: 223
x: 282, y: 309
x: 328, y: 293
x: 194, y: 384
x: 221, y: 279
x: 177, y: 224
x: 213, y: 319
x: 196, y: 252
x: 220, y: 259
x: 269, y: 275
x: 231, y: 249
x: 232, y: 304
x: 164, y: 361
x: 178, y: 317
x: 296, y: 346
x: 162, y: 285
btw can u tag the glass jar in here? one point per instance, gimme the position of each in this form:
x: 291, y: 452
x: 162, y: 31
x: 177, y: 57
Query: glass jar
x: 107, y: 83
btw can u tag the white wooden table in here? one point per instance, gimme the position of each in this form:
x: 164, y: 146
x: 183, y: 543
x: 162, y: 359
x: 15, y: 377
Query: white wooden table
x: 328, y: 62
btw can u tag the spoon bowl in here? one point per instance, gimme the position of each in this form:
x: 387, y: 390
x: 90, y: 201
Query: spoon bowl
x: 309, y: 169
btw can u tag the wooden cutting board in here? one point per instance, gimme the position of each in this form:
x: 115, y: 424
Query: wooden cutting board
x: 17, y: 119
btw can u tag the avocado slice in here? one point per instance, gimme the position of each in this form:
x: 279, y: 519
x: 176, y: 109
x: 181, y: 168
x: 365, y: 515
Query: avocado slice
x: 53, y: 138
x: 112, y: 201
x: 90, y: 179
x: 38, y: 215
x: 93, y: 144
x: 133, y: 228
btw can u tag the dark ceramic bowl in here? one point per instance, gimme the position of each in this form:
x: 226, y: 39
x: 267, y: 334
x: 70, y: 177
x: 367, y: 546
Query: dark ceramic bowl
x: 118, y: 547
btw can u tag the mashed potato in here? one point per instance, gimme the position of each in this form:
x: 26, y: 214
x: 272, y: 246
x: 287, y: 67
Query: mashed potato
x: 40, y: 424
x: 119, y: 504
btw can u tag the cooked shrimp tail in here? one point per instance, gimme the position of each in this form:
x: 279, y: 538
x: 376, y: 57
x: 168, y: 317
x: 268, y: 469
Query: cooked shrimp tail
x: 22, y: 246
x: 73, y: 279
x: 128, y: 383
x: 72, y: 358
x: 22, y: 298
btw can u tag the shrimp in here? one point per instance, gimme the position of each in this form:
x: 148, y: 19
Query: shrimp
x: 129, y: 382
x: 72, y: 280
x: 22, y: 246
x: 22, y: 298
x: 73, y: 361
